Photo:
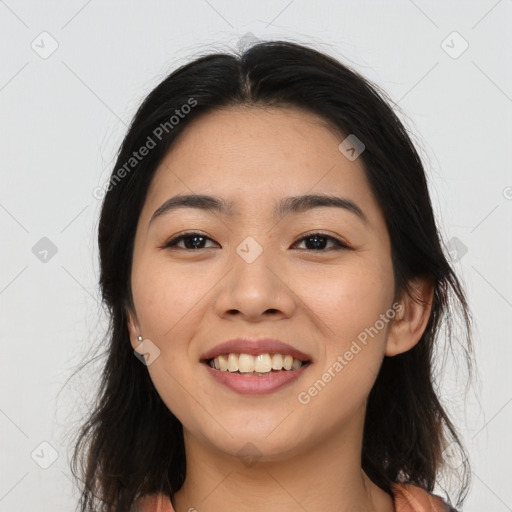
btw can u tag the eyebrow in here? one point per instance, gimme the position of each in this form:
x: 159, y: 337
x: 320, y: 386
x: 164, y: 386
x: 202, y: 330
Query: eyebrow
x: 294, y: 204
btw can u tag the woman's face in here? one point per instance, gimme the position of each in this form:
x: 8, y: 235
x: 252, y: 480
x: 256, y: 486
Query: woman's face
x: 259, y: 272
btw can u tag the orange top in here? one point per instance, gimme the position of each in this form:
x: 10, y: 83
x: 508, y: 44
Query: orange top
x: 407, y: 497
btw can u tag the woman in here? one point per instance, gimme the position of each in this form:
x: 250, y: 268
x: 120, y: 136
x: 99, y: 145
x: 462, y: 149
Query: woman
x: 276, y: 285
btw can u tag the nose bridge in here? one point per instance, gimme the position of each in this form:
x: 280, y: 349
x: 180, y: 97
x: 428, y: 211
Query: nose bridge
x: 253, y: 286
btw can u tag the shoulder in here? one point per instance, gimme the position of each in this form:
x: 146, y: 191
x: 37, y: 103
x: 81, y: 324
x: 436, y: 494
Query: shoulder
x: 407, y: 497
x: 154, y: 503
x: 412, y: 498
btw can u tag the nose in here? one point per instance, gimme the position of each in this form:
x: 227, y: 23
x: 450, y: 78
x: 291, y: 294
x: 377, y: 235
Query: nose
x: 255, y: 291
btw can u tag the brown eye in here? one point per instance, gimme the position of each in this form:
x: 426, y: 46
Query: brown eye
x: 191, y: 241
x: 319, y: 241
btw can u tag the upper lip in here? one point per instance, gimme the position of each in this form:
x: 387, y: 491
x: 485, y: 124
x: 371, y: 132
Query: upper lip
x: 255, y: 347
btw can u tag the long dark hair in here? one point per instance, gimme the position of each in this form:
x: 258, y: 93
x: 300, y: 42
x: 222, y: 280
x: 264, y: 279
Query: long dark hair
x: 131, y: 444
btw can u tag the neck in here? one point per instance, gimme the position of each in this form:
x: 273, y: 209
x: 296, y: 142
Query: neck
x: 326, y: 476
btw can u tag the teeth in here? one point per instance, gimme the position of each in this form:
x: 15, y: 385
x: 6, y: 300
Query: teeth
x: 223, y: 363
x: 245, y: 363
x: 232, y: 363
x: 277, y: 362
x: 296, y: 364
x: 260, y: 364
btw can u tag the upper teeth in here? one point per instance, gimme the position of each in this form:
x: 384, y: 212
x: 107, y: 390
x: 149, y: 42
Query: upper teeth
x: 262, y: 363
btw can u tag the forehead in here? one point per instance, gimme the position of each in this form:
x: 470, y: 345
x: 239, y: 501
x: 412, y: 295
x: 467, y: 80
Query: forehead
x: 230, y: 134
x: 255, y: 155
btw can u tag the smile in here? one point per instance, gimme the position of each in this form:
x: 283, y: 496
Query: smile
x: 255, y: 374
x: 260, y: 364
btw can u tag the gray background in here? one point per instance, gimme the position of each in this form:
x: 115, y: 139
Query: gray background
x: 63, y: 116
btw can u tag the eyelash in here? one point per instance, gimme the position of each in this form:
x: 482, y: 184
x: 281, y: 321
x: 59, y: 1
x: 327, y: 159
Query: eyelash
x: 339, y: 245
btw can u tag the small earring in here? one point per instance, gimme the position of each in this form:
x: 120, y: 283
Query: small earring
x: 139, y: 339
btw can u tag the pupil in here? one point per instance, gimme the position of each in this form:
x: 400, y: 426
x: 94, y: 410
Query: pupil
x: 319, y: 242
x: 196, y: 242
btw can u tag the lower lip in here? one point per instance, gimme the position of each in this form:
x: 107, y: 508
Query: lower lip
x: 254, y: 385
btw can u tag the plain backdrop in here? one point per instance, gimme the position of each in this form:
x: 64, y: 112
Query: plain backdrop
x: 71, y: 76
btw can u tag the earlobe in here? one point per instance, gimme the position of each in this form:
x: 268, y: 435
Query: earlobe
x: 410, y: 322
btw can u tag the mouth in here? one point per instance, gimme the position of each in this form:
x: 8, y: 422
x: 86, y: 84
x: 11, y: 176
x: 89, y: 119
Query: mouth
x: 259, y: 365
x: 255, y: 374
x: 255, y: 366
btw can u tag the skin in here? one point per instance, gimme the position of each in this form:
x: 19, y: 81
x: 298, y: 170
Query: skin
x: 188, y: 301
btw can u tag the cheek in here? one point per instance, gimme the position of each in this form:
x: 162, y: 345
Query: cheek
x: 349, y: 300
x: 348, y: 304
x: 353, y: 351
x: 167, y: 299
x: 170, y: 301
x: 168, y: 304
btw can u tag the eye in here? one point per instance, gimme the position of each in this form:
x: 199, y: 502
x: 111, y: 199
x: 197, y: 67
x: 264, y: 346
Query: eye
x: 314, y: 242
x: 319, y: 241
x: 191, y: 241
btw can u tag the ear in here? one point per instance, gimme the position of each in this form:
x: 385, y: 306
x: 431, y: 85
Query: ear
x: 133, y: 328
x: 411, y: 320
